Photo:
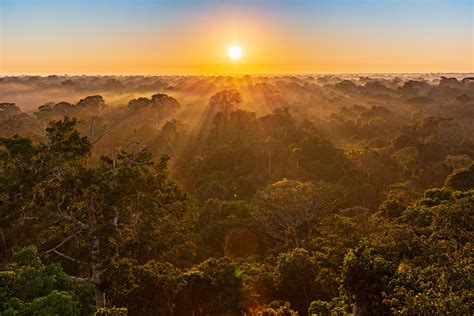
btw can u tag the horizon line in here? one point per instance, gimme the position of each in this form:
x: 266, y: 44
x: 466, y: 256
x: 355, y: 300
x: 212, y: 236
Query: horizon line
x: 2, y: 75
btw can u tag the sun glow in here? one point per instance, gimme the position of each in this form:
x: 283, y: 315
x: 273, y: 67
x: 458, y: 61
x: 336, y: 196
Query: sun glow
x: 235, y: 52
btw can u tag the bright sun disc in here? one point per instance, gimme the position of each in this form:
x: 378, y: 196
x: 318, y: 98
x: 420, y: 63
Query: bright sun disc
x: 235, y: 52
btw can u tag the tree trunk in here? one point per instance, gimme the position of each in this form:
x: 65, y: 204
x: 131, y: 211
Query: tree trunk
x: 96, y: 268
x: 100, y: 297
x: 356, y: 310
x: 100, y: 300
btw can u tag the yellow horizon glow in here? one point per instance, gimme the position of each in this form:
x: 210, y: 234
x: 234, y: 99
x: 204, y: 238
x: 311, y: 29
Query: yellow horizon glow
x: 198, y: 47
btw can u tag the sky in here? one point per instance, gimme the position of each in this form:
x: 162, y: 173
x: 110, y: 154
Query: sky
x: 276, y: 36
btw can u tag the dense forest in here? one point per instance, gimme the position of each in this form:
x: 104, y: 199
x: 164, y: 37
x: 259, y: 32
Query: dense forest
x: 219, y: 195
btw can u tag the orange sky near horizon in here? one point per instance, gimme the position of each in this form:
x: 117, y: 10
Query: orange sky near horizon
x: 196, y: 42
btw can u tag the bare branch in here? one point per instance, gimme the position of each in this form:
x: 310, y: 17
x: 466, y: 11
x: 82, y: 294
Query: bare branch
x: 61, y: 243
x: 172, y: 148
x: 91, y: 130
x: 93, y: 142
x: 65, y: 256
x: 91, y: 127
x: 80, y: 280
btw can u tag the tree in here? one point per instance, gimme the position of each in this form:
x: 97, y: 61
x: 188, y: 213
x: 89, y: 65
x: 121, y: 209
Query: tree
x: 461, y: 179
x: 365, y: 277
x: 89, y: 216
x: 296, y: 277
x: 212, y: 288
x: 258, y: 284
x: 149, y: 289
x: 224, y: 226
x: 29, y: 287
x: 284, y: 210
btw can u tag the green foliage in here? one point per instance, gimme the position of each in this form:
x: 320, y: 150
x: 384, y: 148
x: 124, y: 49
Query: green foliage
x: 28, y: 256
x: 212, y: 288
x: 337, y: 306
x: 321, y: 308
x: 440, y: 289
x: 55, y: 303
x: 111, y: 311
x: 296, y: 277
x: 149, y: 289
x: 462, y: 179
x: 30, y: 288
x: 436, y: 196
x: 278, y: 308
x: 66, y: 141
x: 87, y: 214
x: 392, y: 208
x: 366, y: 277
x: 219, y: 224
x: 423, y: 266
x: 284, y: 211
x: 258, y: 284
x: 324, y: 213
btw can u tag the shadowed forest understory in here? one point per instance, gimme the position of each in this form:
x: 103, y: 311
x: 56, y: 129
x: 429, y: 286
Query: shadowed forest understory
x: 237, y: 195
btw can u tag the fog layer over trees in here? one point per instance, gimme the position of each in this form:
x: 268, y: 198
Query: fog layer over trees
x: 221, y: 195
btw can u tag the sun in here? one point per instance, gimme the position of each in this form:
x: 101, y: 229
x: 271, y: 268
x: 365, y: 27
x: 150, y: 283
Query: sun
x: 235, y: 52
